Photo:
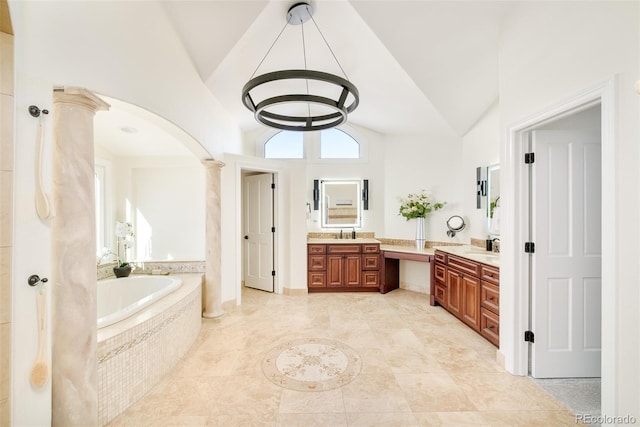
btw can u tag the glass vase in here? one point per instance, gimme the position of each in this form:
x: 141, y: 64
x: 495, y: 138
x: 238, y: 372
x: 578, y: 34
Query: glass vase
x: 420, y: 239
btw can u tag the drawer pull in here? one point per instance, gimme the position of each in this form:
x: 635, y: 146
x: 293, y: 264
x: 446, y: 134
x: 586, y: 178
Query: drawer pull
x: 490, y: 298
x: 492, y: 326
x: 490, y: 275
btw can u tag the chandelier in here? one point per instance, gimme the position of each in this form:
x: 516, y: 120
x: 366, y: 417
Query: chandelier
x: 277, y: 100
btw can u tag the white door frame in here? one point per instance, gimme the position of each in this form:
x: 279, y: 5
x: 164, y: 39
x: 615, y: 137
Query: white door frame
x: 514, y: 312
x: 259, y: 282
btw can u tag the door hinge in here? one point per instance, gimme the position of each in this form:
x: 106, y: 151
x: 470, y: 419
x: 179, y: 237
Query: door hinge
x: 529, y: 158
x: 273, y: 272
x: 529, y: 247
x: 273, y: 185
x: 273, y: 229
x: 528, y: 336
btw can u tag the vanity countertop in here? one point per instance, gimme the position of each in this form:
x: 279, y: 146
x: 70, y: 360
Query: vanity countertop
x: 473, y: 253
x: 330, y: 241
x: 407, y: 249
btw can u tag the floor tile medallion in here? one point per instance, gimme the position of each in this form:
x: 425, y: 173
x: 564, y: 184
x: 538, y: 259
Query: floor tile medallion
x: 311, y: 364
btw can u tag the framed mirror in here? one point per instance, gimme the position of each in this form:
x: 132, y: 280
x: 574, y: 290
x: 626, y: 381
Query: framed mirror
x: 493, y: 199
x: 340, y: 204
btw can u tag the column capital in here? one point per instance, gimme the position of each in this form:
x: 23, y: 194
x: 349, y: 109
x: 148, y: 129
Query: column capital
x: 213, y: 163
x: 79, y: 96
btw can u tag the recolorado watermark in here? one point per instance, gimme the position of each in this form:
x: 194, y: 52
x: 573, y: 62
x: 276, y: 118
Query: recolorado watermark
x: 605, y: 419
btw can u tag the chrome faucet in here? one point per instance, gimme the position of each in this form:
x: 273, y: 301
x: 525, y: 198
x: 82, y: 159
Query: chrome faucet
x: 495, y: 245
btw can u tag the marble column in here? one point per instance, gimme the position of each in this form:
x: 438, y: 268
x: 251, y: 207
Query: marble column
x: 213, y: 260
x: 74, y: 344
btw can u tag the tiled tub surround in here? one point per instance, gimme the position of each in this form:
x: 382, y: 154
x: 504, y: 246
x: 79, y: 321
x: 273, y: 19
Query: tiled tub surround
x: 136, y: 353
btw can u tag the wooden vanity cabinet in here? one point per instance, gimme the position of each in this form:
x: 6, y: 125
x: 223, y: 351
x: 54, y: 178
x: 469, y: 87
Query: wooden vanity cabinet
x: 343, y: 267
x: 470, y: 291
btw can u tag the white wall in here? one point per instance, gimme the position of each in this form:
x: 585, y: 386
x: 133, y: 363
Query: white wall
x: 103, y: 47
x: 416, y: 162
x: 549, y: 52
x: 480, y: 148
x: 168, y: 209
x: 370, y: 166
x: 71, y: 43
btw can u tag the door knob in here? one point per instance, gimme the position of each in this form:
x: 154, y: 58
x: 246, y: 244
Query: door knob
x: 246, y: 237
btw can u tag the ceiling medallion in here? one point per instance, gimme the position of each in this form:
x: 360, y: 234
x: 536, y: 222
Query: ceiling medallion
x: 280, y: 109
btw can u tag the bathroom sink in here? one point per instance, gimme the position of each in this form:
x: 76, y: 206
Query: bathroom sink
x: 480, y: 251
x: 491, y: 257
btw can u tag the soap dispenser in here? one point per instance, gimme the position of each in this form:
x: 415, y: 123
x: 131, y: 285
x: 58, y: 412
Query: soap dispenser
x: 489, y: 244
x: 353, y: 233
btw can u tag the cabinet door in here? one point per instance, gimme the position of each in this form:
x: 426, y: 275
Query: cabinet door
x: 352, y: 270
x: 454, y: 292
x: 335, y: 270
x: 471, y: 301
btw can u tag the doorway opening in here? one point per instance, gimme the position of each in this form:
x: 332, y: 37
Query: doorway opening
x: 517, y: 263
x: 259, y: 230
x: 565, y: 280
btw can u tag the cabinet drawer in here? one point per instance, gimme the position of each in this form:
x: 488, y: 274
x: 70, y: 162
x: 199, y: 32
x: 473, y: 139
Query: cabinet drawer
x: 441, y: 294
x: 464, y: 265
x: 343, y: 249
x: 440, y: 273
x: 317, y: 263
x: 316, y: 249
x: 440, y: 257
x: 371, y: 262
x: 491, y: 274
x: 370, y: 279
x: 490, y: 326
x: 317, y: 279
x: 490, y: 297
x: 371, y: 249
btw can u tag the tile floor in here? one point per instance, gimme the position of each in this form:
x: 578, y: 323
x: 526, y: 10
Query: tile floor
x: 421, y: 367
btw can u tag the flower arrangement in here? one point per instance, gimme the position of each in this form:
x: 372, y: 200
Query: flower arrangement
x: 124, y: 233
x: 418, y: 205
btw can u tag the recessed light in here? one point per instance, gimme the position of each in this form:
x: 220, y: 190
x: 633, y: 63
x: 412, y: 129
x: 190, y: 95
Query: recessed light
x: 128, y: 129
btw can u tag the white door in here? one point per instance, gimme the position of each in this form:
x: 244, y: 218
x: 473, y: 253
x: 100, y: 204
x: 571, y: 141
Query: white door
x: 566, y: 273
x: 259, y: 234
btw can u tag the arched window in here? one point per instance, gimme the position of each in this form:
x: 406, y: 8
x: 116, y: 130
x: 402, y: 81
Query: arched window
x: 285, y: 145
x: 336, y: 144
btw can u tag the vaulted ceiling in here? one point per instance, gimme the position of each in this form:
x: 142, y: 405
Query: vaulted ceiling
x: 420, y: 65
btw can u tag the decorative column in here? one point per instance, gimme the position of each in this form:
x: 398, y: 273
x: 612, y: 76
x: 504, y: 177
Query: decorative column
x: 74, y: 307
x: 213, y: 261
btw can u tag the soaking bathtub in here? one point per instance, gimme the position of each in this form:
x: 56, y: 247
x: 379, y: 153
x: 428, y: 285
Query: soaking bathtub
x: 136, y: 349
x: 123, y: 297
